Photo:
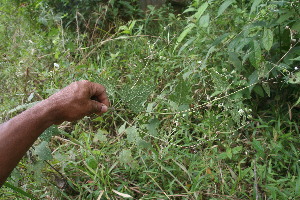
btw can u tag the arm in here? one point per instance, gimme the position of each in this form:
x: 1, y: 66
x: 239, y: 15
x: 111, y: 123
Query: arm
x: 69, y: 104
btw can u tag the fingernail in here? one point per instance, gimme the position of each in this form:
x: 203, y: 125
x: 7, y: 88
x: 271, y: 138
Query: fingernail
x: 103, y: 108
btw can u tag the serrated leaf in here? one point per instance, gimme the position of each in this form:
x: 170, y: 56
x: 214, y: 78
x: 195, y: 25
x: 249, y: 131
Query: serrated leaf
x: 49, y: 132
x: 204, y: 21
x: 132, y: 134
x: 125, y: 156
x: 152, y: 126
x: 224, y: 6
x: 201, y: 10
x: 100, y: 136
x: 255, y: 56
x: 43, y: 151
x: 267, y: 39
x: 135, y: 97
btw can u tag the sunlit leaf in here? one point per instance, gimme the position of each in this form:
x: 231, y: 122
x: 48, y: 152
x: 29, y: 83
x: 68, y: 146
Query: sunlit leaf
x: 267, y: 39
x: 224, y: 6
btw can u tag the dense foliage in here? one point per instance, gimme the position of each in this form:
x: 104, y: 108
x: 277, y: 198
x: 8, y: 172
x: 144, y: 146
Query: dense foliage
x: 205, y: 103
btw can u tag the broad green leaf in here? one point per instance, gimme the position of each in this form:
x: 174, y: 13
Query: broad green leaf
x: 100, y: 136
x: 294, y: 78
x: 229, y: 153
x: 254, y: 5
x: 43, y: 151
x: 266, y: 88
x: 258, y: 90
x: 204, y: 21
x: 267, y: 39
x: 135, y: 97
x: 49, y: 132
x: 91, y: 162
x: 224, y: 6
x: 182, y: 93
x: 125, y: 156
x: 237, y: 149
x: 234, y: 59
x: 296, y: 26
x: 187, y: 29
x: 152, y: 126
x: 253, y: 78
x: 255, y: 56
x: 132, y: 134
x: 201, y: 10
x: 191, y: 9
x: 122, y: 128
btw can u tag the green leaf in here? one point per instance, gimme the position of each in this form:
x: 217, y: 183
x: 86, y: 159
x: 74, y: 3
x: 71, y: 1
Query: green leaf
x: 135, y: 97
x: 132, y: 134
x: 255, y: 56
x: 181, y: 93
x: 204, y: 21
x: 234, y: 59
x: 100, y: 136
x: 229, y: 153
x: 125, y: 156
x: 201, y: 10
x: 258, y: 147
x: 266, y: 88
x: 49, y: 132
x: 152, y: 126
x: 224, y: 6
x: 186, y: 30
x: 258, y: 90
x: 43, y: 151
x: 296, y: 59
x: 254, y: 5
x: 294, y: 78
x: 122, y: 128
x: 267, y: 39
x: 237, y: 149
x: 91, y: 162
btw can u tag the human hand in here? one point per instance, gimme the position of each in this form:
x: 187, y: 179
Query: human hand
x: 77, y: 100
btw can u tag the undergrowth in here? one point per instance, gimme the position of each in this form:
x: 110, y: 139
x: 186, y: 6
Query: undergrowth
x: 205, y: 104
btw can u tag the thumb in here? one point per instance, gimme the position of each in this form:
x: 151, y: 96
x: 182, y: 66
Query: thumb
x: 98, y: 107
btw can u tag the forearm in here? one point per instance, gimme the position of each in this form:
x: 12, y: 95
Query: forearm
x: 75, y: 101
x: 19, y: 133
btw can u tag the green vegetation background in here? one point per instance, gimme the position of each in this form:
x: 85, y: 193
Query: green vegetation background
x: 205, y: 98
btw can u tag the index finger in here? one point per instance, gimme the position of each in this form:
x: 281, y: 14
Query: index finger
x: 99, y: 92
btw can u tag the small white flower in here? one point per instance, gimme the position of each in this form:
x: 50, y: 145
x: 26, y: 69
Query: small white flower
x: 241, y: 111
x: 296, y: 68
x: 199, y: 62
x: 56, y: 65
